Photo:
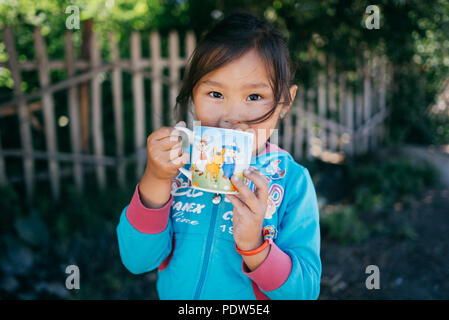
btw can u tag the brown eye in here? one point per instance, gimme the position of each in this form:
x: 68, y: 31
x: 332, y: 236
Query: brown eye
x: 254, y: 95
x: 215, y: 94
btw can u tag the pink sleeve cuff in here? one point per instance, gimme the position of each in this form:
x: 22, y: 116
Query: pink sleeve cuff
x: 273, y: 271
x: 147, y: 220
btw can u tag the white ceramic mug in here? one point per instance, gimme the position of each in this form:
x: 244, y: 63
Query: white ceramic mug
x: 216, y: 155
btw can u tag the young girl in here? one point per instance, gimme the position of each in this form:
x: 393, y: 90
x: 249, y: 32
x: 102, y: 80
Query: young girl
x: 263, y: 243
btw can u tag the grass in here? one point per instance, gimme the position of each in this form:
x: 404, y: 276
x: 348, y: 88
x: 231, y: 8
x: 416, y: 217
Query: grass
x: 368, y: 189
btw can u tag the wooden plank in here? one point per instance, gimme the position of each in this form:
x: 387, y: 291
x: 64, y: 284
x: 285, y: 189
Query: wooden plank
x: 117, y: 98
x: 358, y: 106
x: 349, y: 122
x: 12, y: 110
x: 332, y: 104
x: 97, y: 123
x: 43, y: 176
x: 374, y: 70
x: 322, y: 102
x: 138, y: 100
x: 190, y: 47
x: 87, y: 159
x: 87, y: 31
x: 156, y: 82
x: 382, y: 94
x: 366, y: 97
x: 74, y: 107
x: 52, y: 88
x: 53, y: 65
x: 310, y: 121
x: 48, y: 108
x: 287, y: 134
x: 298, y: 126
x: 341, y: 106
x: 3, y: 178
x: 173, y: 48
x: 24, y: 121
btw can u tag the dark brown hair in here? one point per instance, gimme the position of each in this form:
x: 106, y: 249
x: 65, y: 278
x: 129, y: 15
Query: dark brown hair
x: 228, y: 40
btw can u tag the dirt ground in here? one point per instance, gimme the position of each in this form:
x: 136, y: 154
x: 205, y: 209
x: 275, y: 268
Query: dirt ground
x: 414, y: 266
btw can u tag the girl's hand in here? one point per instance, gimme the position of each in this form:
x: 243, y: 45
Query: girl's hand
x: 165, y: 153
x: 249, y: 210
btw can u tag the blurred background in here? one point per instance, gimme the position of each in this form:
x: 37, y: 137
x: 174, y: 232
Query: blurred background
x: 83, y: 83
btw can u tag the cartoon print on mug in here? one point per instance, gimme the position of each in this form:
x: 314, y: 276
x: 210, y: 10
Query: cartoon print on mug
x: 202, y: 161
x: 230, y: 154
x: 221, y: 153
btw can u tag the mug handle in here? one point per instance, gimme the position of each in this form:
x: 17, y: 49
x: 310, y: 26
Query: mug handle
x: 189, y: 135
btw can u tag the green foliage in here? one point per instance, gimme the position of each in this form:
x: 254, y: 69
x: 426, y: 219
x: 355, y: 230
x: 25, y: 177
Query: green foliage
x: 10, y: 208
x: 343, y: 225
x: 37, y: 244
x: 371, y: 186
x: 376, y: 185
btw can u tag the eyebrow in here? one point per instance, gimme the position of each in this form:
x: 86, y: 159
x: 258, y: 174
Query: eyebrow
x: 255, y: 85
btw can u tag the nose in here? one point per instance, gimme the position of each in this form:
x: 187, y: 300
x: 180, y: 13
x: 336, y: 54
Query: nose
x: 231, y: 117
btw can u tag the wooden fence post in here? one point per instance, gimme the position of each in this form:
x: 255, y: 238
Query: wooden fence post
x: 190, y: 47
x: 310, y: 120
x: 332, y: 104
x: 3, y: 179
x: 382, y: 94
x: 173, y: 46
x: 322, y: 102
x: 299, y: 121
x: 358, y: 107
x: 97, y: 122
x: 341, y: 108
x: 84, y: 88
x: 117, y: 97
x: 366, y: 98
x: 138, y: 102
x: 287, y: 132
x: 74, y: 114
x: 156, y: 82
x: 48, y: 108
x: 349, y: 122
x: 24, y: 120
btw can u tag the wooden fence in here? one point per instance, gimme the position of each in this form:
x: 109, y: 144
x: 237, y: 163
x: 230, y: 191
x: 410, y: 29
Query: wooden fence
x: 339, y: 116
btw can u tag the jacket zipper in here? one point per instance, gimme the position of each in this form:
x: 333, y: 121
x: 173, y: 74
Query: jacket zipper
x: 208, y: 249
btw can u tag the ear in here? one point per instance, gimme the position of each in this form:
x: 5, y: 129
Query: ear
x: 293, y: 90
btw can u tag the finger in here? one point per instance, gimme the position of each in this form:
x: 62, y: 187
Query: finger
x: 162, y: 133
x: 260, y: 181
x: 168, y: 143
x: 174, y: 152
x: 240, y: 208
x: 248, y: 195
x: 180, y: 124
x: 180, y: 161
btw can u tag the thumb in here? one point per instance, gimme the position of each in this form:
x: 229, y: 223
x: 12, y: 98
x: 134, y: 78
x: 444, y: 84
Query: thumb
x: 180, y: 124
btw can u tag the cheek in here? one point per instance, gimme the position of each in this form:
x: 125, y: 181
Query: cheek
x: 207, y: 114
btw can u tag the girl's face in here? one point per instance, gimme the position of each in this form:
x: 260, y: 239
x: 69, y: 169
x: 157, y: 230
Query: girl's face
x: 238, y: 92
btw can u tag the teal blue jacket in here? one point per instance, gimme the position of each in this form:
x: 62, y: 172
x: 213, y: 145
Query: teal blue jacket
x: 191, y: 244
